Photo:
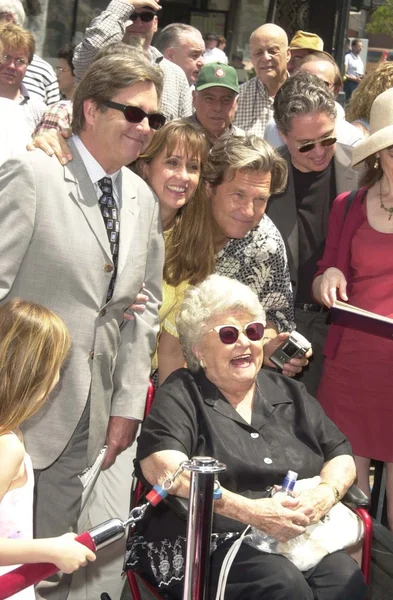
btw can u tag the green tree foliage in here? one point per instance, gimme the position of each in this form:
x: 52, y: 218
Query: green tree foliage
x: 382, y: 19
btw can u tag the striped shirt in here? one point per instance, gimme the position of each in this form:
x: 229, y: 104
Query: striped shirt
x: 108, y: 28
x: 41, y: 81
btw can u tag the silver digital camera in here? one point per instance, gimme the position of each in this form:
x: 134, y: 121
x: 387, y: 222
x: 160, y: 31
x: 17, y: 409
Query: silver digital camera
x: 295, y: 346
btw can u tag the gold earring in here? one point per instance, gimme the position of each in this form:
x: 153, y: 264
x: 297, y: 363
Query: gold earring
x: 202, y: 363
x: 376, y: 164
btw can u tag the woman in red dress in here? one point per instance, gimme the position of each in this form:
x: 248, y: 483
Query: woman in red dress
x: 357, y: 384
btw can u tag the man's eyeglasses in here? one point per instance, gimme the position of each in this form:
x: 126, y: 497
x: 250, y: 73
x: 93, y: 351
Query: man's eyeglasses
x: 229, y: 334
x: 134, y: 114
x: 62, y: 70
x: 146, y: 17
x: 7, y: 59
x: 325, y: 142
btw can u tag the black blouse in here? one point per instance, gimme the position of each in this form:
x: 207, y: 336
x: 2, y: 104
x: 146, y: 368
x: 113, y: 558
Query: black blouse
x: 289, y: 430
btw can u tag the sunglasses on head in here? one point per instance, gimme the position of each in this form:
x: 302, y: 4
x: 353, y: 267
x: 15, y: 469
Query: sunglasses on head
x: 134, y: 114
x: 146, y: 17
x: 229, y: 334
x: 325, y: 142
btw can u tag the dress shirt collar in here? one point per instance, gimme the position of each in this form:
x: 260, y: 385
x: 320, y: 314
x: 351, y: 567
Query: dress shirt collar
x: 93, y: 167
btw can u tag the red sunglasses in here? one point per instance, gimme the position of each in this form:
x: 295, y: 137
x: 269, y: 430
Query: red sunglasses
x: 229, y: 334
x: 134, y: 114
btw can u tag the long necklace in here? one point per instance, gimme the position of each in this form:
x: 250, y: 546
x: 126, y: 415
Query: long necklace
x: 388, y: 209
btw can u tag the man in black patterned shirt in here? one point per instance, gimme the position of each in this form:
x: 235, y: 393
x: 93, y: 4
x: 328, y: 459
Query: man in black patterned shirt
x: 242, y: 172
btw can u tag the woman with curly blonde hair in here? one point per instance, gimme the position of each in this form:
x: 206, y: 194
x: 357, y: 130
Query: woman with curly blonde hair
x: 376, y: 82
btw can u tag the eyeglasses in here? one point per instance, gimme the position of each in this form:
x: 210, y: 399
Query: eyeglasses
x: 146, y: 17
x: 62, y: 70
x: 325, y: 142
x: 134, y: 114
x: 229, y: 334
x: 7, y: 59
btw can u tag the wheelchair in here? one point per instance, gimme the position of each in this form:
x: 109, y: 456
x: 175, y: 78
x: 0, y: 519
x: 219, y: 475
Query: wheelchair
x: 355, y: 499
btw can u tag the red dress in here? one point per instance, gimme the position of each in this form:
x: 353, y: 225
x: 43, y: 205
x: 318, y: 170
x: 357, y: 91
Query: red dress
x: 356, y: 388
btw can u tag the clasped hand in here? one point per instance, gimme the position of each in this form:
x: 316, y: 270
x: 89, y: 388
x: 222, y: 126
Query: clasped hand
x: 281, y: 517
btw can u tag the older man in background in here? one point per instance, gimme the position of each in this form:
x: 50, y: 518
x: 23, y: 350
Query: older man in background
x: 40, y: 78
x: 135, y: 22
x: 302, y: 44
x: 19, y: 46
x: 183, y: 45
x: 270, y: 56
x: 215, y: 101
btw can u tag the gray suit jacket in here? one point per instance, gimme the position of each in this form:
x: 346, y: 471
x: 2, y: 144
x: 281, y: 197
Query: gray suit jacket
x: 55, y: 251
x: 282, y: 207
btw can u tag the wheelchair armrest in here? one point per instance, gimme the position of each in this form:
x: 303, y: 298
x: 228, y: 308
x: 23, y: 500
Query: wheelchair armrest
x: 178, y: 505
x: 355, y: 498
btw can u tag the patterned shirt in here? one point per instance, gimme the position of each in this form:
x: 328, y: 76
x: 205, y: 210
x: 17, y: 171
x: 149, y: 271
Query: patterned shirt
x: 41, y: 81
x: 255, y: 107
x: 259, y: 260
x: 108, y: 28
x: 58, y: 116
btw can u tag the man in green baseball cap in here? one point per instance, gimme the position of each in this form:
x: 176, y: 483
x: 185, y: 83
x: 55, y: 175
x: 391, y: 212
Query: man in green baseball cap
x: 215, y: 100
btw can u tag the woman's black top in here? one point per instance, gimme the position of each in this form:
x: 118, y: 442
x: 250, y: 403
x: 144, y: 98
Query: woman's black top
x: 288, y: 430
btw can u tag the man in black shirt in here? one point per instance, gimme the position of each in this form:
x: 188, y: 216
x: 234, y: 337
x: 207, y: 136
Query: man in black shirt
x: 319, y: 170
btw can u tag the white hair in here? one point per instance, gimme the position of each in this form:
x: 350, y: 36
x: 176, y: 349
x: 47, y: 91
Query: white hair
x: 15, y: 7
x: 215, y: 295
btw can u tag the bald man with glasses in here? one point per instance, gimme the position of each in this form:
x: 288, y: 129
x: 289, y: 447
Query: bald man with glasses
x: 319, y: 170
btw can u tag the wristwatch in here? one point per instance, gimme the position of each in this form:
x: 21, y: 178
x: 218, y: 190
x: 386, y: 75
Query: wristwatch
x: 334, y: 489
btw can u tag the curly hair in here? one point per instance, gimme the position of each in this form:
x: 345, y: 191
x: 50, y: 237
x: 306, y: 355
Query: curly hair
x: 214, y: 296
x: 302, y: 94
x: 376, y: 82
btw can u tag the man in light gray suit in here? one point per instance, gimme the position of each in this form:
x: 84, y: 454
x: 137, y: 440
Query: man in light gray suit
x: 60, y: 246
x: 318, y: 170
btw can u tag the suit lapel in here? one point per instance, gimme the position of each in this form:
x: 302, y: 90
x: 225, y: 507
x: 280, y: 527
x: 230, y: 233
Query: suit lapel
x: 347, y: 178
x: 84, y: 195
x: 128, y: 216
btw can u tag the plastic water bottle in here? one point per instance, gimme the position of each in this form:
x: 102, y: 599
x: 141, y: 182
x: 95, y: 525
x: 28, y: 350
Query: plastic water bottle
x: 288, y: 484
x: 261, y: 540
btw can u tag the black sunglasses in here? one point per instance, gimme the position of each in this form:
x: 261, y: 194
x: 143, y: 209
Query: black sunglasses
x: 146, y: 17
x: 134, y: 114
x: 325, y: 142
x: 229, y: 334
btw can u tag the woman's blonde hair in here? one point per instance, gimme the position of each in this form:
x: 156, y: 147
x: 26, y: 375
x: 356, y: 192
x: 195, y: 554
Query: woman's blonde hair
x: 34, y: 343
x: 376, y: 82
x: 189, y: 248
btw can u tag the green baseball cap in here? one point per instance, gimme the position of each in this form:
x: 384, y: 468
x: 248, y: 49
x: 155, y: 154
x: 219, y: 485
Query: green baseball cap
x: 217, y: 75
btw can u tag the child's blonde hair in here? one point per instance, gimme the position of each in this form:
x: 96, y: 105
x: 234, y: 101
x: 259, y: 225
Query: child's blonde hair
x: 34, y: 343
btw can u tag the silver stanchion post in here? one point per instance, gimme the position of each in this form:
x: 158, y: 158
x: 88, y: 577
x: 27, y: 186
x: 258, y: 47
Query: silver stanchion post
x: 199, y: 525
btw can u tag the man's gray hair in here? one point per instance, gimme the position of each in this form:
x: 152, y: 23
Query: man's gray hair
x: 202, y: 303
x: 106, y: 76
x: 15, y: 7
x: 232, y: 153
x: 171, y: 35
x: 301, y: 94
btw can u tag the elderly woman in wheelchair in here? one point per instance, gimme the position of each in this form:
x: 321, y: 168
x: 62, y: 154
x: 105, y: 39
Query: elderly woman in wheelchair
x: 260, y: 424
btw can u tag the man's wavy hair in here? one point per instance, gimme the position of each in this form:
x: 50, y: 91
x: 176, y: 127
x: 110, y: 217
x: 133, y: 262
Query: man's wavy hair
x: 248, y: 154
x: 301, y: 94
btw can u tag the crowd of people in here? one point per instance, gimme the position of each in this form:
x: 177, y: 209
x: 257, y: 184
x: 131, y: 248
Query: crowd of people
x: 161, y: 220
